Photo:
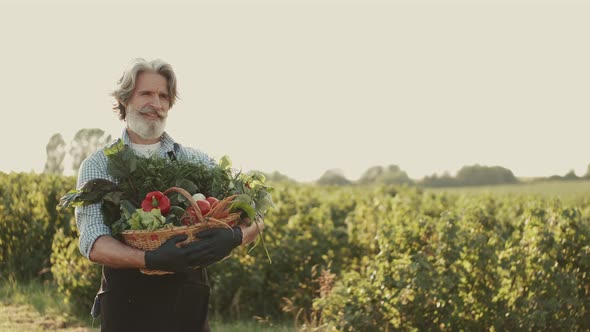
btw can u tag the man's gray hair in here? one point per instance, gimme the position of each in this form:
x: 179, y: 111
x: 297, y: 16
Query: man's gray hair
x: 126, y: 84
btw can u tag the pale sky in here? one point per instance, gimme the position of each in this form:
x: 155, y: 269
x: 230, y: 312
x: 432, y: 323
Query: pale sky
x: 306, y: 86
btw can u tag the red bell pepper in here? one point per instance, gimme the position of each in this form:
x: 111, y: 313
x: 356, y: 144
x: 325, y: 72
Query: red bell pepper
x: 156, y: 200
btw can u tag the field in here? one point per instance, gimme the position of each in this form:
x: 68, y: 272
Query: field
x: 562, y: 189
x: 346, y: 258
x: 38, y: 307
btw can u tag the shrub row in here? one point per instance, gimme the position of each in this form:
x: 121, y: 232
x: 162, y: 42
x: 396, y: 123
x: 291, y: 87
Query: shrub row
x: 359, y: 259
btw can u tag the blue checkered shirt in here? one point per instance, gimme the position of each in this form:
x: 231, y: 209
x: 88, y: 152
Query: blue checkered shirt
x: 89, y: 218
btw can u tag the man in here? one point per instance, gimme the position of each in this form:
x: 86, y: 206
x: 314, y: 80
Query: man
x: 129, y: 300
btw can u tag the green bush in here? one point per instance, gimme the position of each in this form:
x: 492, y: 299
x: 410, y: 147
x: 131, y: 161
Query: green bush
x: 401, y: 258
x: 77, y: 277
x: 28, y: 220
x: 482, y: 263
x: 307, y: 228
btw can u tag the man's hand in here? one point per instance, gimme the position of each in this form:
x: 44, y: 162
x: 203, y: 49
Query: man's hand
x: 251, y: 232
x: 215, y: 244
x: 170, y: 257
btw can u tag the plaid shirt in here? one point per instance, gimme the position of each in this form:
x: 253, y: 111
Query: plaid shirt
x: 89, y: 218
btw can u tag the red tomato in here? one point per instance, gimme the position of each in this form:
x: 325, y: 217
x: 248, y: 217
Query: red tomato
x: 213, y: 201
x: 204, y: 206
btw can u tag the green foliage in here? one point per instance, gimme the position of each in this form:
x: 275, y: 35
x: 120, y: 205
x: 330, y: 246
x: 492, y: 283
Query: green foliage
x: 306, y: 228
x: 28, y: 220
x: 401, y: 259
x: 77, y: 278
x: 137, y: 176
x: 473, y: 263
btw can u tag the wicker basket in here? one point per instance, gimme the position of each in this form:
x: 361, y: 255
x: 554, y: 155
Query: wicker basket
x: 218, y: 217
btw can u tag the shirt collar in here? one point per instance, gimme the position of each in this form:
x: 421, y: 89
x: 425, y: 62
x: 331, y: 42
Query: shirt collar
x: 167, y: 141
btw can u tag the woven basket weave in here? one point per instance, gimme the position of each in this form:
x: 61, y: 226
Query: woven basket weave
x: 218, y: 217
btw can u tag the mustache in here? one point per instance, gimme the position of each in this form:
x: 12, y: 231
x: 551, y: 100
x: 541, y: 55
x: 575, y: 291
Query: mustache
x: 148, y: 110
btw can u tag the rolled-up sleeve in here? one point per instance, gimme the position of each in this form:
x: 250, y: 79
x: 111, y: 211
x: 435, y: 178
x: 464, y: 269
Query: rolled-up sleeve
x: 89, y: 218
x: 90, y: 224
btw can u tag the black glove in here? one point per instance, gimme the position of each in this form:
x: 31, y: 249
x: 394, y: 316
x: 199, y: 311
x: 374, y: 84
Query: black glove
x: 214, y: 244
x: 169, y: 257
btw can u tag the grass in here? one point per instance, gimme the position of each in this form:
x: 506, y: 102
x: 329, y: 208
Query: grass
x: 249, y: 327
x: 37, y: 306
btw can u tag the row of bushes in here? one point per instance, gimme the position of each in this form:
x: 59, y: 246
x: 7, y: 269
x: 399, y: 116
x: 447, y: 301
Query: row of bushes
x: 358, y: 259
x: 29, y: 220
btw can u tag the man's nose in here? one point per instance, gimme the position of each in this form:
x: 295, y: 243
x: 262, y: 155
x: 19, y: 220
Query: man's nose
x: 156, y: 102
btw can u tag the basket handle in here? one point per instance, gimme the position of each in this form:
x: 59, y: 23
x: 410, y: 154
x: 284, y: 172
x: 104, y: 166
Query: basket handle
x: 190, y: 198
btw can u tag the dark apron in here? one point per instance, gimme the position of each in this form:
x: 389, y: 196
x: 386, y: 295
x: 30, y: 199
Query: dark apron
x: 132, y: 301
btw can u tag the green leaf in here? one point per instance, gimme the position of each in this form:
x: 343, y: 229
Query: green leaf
x: 244, y: 206
x: 127, y: 209
x: 176, y: 211
x: 91, y: 192
x: 119, y: 226
x: 264, y: 203
x: 99, y: 185
x: 173, y: 220
x: 113, y: 197
x: 110, y: 212
x: 115, y: 148
x: 225, y: 163
x: 122, y: 161
x: 70, y: 200
x: 135, y: 221
x: 187, y: 185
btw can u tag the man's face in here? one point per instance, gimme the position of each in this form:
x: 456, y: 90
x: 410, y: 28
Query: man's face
x: 148, y: 106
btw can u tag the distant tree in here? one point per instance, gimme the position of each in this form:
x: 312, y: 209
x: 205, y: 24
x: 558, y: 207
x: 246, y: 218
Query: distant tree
x: 333, y: 177
x: 56, y: 152
x: 445, y: 180
x: 571, y: 175
x: 85, y: 142
x: 277, y: 177
x: 394, y: 175
x: 391, y: 175
x: 587, y: 175
x: 477, y: 175
x: 371, y: 175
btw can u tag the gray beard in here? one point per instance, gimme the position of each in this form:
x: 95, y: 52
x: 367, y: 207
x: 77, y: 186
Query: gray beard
x: 146, y: 129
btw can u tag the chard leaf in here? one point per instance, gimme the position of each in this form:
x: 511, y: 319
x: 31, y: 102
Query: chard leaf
x: 99, y: 185
x: 173, y: 220
x: 122, y: 162
x: 187, y: 185
x: 127, y: 209
x: 119, y: 226
x: 111, y: 212
x: 113, y: 197
x: 70, y: 200
x: 176, y: 211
